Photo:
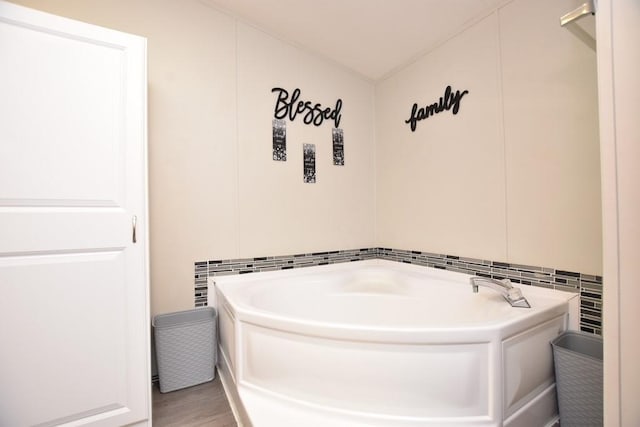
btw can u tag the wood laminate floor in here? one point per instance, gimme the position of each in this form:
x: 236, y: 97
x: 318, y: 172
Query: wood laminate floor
x: 198, y: 406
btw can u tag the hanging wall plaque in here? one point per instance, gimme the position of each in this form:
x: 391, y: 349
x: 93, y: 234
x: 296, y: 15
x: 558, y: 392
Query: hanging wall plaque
x: 309, y: 161
x: 279, y: 128
x: 338, y: 146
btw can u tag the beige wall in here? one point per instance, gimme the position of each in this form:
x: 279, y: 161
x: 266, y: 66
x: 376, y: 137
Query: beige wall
x: 514, y: 176
x: 441, y: 188
x: 485, y: 183
x: 552, y: 147
x: 214, y: 192
x: 280, y: 214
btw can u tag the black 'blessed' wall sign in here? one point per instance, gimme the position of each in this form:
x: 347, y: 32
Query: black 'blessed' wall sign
x: 290, y: 107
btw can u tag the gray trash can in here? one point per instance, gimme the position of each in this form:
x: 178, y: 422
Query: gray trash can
x: 185, y: 347
x: 578, y: 367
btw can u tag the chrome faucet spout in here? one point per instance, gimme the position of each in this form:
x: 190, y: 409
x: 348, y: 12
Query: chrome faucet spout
x: 504, y: 287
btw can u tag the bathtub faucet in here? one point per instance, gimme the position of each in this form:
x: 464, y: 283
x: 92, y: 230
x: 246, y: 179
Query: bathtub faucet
x: 512, y: 295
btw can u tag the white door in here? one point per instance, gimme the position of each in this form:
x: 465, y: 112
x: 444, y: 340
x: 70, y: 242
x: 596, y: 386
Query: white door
x: 74, y: 322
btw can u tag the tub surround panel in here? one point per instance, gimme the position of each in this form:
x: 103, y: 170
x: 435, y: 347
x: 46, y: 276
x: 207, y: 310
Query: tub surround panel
x: 529, y: 361
x: 589, y: 286
x: 433, y: 392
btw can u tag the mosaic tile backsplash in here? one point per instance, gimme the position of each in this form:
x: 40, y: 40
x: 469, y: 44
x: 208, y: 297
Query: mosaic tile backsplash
x: 589, y: 287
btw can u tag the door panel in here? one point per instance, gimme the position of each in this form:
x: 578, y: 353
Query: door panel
x: 73, y: 284
x: 68, y: 323
x: 52, y: 124
x: 55, y: 229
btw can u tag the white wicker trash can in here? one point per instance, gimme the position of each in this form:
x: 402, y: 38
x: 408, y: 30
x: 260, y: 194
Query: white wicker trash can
x: 578, y: 367
x: 185, y: 347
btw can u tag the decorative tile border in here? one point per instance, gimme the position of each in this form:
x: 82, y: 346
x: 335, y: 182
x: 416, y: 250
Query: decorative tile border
x: 204, y: 269
x: 589, y: 287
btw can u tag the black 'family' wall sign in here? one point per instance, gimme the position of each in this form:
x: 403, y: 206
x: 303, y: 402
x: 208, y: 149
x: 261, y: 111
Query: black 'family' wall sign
x: 290, y: 107
x: 449, y: 101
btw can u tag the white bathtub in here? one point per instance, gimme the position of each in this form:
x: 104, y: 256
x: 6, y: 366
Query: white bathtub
x: 379, y: 343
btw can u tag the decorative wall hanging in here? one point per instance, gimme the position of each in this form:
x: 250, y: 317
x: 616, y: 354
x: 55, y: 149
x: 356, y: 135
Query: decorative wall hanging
x: 290, y: 107
x: 309, y: 151
x: 449, y: 101
x: 279, y: 128
x: 338, y: 146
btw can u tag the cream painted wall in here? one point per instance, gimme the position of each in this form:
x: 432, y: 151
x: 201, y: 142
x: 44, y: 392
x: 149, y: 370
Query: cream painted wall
x: 458, y: 185
x: 441, y: 188
x: 192, y: 152
x: 279, y: 214
x: 214, y: 192
x: 515, y: 175
x: 550, y: 98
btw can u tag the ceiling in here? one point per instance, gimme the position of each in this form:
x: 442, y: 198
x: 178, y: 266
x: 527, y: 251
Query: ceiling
x: 371, y: 37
